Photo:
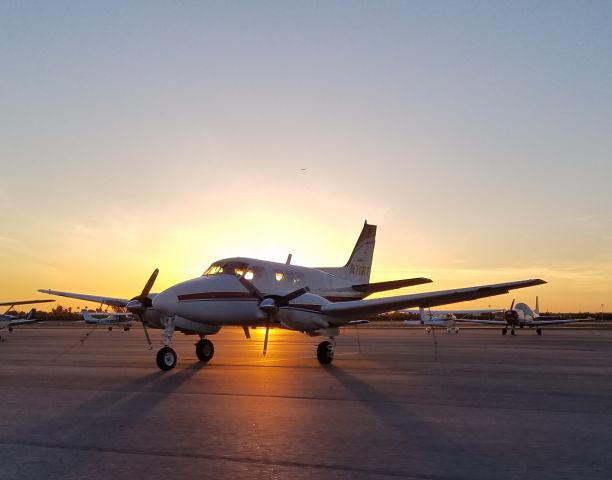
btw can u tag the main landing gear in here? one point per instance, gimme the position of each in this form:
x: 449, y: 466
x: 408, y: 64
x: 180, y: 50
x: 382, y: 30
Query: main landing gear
x: 325, y: 352
x: 204, y: 350
x: 505, y: 330
x: 539, y: 331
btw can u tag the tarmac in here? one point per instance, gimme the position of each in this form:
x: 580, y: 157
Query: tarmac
x: 78, y: 403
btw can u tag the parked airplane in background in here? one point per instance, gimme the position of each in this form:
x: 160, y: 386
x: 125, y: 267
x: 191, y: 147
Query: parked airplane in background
x: 441, y: 318
x: 108, y: 319
x: 521, y: 316
x: 248, y: 292
x: 10, y: 321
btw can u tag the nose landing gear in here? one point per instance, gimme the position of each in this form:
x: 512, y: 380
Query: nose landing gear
x: 166, y: 356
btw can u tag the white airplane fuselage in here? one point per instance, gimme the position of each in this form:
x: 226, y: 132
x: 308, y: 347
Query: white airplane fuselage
x: 218, y: 299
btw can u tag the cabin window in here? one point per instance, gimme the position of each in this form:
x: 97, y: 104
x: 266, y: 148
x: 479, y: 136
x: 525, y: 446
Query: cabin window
x: 280, y: 276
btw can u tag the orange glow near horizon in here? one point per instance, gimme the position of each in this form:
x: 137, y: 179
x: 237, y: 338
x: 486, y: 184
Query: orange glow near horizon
x: 88, y: 262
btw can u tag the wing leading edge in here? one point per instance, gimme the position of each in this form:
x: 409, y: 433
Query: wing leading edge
x: 430, y: 299
x: 113, y: 302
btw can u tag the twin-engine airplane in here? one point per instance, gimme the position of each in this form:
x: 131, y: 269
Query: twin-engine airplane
x: 10, y: 321
x: 108, y: 319
x: 248, y: 292
x: 521, y: 316
x: 446, y: 319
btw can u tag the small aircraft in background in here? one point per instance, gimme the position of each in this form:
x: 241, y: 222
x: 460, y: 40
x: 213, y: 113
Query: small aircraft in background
x: 108, y: 319
x: 248, y: 292
x: 522, y: 316
x: 9, y: 321
x: 446, y: 319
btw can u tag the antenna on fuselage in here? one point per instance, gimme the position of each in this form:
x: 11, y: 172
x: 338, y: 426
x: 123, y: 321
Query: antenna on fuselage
x: 288, y: 262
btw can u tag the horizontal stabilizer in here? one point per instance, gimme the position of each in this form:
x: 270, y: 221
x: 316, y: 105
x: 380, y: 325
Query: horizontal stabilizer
x: 391, y: 285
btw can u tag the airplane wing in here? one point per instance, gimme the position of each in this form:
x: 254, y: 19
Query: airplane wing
x: 429, y: 299
x: 113, y: 302
x: 457, y: 312
x: 22, y: 321
x: 556, y: 322
x: 23, y: 302
x: 482, y: 322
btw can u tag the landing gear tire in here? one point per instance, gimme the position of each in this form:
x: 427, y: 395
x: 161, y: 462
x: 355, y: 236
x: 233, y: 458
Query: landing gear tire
x: 512, y: 332
x: 456, y: 329
x: 166, y: 359
x: 110, y: 329
x: 325, y: 352
x: 126, y: 329
x: 539, y: 331
x: 504, y: 331
x: 10, y: 329
x: 204, y: 350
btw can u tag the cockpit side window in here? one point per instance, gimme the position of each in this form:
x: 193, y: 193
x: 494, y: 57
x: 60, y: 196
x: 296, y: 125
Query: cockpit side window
x: 230, y: 268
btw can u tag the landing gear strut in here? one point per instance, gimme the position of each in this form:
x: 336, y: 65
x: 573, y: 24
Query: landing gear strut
x: 204, y: 350
x: 504, y: 331
x: 539, y: 331
x: 325, y: 352
x: 166, y: 357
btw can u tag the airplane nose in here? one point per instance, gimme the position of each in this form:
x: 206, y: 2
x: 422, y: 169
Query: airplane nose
x: 166, y: 302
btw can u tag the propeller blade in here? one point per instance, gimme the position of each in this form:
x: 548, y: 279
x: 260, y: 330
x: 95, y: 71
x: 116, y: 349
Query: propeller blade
x: 146, y: 332
x: 247, y: 334
x: 265, y: 345
x: 512, y: 304
x: 291, y: 296
x: 250, y: 287
x: 149, y: 285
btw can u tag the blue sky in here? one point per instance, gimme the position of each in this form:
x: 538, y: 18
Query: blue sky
x: 143, y: 134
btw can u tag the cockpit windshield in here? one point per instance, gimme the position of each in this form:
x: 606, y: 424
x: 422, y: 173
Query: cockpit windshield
x: 230, y: 268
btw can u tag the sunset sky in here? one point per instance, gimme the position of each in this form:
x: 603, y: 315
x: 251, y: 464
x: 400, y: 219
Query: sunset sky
x: 141, y: 134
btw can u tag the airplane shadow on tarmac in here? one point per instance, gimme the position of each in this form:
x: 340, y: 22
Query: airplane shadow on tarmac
x: 426, y: 440
x: 96, y: 425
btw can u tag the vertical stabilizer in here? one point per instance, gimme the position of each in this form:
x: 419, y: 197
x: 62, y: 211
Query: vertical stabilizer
x: 359, y: 264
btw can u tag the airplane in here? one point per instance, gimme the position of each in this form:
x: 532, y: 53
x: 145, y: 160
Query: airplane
x: 108, y: 319
x: 9, y: 321
x: 248, y: 292
x: 442, y: 318
x: 521, y: 316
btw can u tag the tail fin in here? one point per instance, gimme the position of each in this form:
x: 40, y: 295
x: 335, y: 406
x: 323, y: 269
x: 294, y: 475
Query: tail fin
x: 31, y: 314
x: 537, y: 306
x: 88, y: 317
x: 359, y: 264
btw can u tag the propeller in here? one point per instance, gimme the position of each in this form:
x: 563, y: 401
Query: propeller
x: 138, y: 305
x: 510, y: 315
x: 270, y: 305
